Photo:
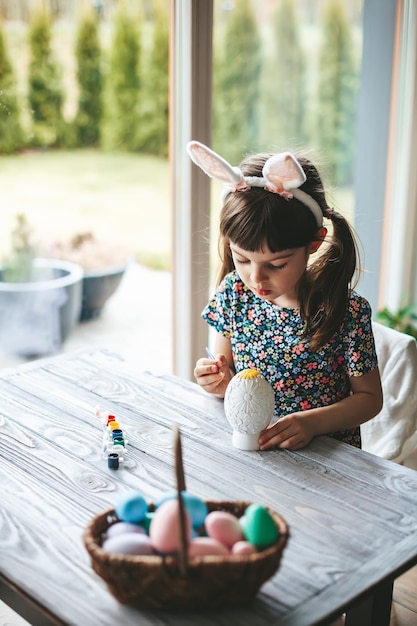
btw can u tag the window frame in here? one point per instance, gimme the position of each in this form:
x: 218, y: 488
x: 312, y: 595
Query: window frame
x: 190, y: 118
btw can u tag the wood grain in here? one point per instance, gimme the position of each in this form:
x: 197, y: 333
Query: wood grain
x: 352, y: 516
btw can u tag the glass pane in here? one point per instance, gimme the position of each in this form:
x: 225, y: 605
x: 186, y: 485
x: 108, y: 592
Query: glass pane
x: 286, y: 76
x: 84, y: 135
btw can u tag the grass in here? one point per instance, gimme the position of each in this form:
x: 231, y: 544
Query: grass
x: 123, y: 198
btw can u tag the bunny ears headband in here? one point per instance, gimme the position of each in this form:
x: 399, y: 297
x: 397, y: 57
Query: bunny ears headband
x: 281, y: 174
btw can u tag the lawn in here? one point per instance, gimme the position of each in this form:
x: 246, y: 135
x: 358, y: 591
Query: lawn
x: 123, y: 198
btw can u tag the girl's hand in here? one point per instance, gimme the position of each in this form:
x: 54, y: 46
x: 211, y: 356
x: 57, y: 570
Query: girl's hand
x: 297, y: 430
x: 213, y: 376
x: 291, y: 432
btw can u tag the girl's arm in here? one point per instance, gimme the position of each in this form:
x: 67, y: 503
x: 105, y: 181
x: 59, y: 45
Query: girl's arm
x: 214, y: 376
x: 295, y: 431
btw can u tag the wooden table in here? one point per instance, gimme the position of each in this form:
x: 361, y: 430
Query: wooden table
x: 352, y: 516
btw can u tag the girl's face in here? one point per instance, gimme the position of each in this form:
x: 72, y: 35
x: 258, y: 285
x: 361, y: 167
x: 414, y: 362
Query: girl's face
x: 273, y: 276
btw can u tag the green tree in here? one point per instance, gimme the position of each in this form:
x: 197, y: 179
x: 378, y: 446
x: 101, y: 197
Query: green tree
x: 237, y: 85
x: 45, y: 91
x: 121, y: 102
x: 337, y: 93
x: 284, y: 83
x: 89, y: 76
x: 11, y: 135
x: 153, y: 127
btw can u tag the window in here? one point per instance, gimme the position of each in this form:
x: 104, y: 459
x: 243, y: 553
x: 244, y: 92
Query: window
x: 385, y: 137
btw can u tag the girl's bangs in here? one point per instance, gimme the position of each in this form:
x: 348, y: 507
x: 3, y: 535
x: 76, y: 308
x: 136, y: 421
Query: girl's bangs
x: 271, y: 220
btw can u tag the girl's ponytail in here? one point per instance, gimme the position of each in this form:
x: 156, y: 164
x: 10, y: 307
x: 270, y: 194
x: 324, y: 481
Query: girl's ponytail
x: 329, y: 280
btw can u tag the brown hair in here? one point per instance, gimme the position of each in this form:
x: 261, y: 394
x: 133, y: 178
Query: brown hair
x: 253, y: 218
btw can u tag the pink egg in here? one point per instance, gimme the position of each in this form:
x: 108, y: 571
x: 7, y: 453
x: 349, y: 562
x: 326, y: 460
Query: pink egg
x: 206, y: 546
x: 224, y: 527
x: 164, y: 530
x: 128, y: 543
x: 244, y: 548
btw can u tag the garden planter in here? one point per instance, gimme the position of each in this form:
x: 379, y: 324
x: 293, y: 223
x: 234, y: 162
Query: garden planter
x: 103, y: 263
x: 36, y: 317
x: 98, y: 286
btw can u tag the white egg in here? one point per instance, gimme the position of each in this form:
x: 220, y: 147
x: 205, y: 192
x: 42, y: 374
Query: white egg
x: 249, y: 405
x: 129, y: 543
x: 121, y: 528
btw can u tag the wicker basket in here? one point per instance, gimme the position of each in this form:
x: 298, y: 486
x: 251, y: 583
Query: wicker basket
x: 171, y: 583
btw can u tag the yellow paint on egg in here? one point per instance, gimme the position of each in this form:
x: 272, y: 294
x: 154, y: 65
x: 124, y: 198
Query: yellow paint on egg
x: 248, y: 374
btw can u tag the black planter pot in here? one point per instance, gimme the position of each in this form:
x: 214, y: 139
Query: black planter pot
x: 98, y: 287
x: 36, y: 317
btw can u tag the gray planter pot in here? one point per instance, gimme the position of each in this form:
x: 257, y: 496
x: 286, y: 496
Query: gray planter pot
x: 36, y: 317
x: 98, y: 287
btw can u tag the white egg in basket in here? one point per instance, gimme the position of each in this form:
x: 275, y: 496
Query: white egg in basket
x: 249, y: 407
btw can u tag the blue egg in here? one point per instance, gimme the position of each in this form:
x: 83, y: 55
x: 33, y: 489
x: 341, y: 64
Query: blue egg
x: 132, y: 509
x: 170, y: 495
x: 196, y: 507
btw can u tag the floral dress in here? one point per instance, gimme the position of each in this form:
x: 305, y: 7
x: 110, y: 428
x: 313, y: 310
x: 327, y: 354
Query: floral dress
x: 268, y: 337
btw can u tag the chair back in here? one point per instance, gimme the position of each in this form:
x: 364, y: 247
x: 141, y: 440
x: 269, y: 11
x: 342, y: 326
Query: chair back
x: 392, y: 434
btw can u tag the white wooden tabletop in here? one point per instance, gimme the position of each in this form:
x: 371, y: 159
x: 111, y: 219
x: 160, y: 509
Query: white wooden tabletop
x: 352, y: 516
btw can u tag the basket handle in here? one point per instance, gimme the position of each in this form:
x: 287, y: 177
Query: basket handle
x: 180, y: 478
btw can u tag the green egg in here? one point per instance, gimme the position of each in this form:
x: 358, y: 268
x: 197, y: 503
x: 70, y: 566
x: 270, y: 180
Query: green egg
x: 146, y: 522
x: 258, y: 526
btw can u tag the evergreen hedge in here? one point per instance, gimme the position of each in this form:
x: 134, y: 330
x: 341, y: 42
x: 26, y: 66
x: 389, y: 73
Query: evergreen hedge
x: 154, y: 115
x: 89, y: 76
x: 122, y: 83
x: 237, y: 89
x: 284, y: 118
x: 337, y: 90
x: 11, y: 133
x: 45, y: 90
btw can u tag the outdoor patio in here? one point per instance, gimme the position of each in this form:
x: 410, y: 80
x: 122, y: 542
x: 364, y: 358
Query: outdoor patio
x: 136, y: 323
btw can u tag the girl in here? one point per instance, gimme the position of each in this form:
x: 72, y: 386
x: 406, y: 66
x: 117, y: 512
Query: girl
x: 294, y: 318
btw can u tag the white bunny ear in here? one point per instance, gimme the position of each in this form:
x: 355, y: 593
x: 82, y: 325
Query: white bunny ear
x: 283, y: 175
x: 283, y: 172
x: 213, y: 164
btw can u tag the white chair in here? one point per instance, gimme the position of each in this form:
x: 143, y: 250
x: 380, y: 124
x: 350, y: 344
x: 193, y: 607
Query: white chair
x: 392, y: 434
